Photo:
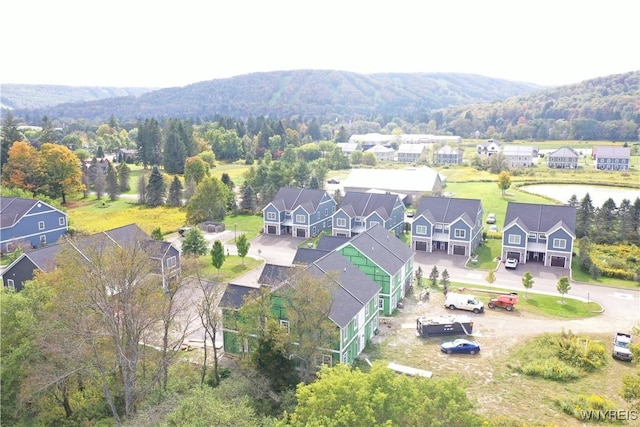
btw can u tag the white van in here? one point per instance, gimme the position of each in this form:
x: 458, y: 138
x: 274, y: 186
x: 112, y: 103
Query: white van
x: 463, y: 302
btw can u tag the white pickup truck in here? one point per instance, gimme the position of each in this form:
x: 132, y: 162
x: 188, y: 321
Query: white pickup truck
x: 621, y: 346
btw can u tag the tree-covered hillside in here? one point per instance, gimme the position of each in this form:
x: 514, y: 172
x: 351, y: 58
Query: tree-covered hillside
x: 323, y: 94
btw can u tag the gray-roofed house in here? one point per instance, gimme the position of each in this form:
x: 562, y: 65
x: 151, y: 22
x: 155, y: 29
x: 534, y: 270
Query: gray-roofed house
x: 411, y: 153
x: 412, y: 182
x: 359, y: 211
x: 301, y: 212
x: 348, y: 147
x: 384, y: 258
x: 165, y: 256
x: 488, y: 148
x: 453, y: 225
x: 29, y: 222
x: 382, y: 153
x: 353, y: 308
x: 448, y: 155
x: 611, y: 157
x: 519, y: 156
x: 563, y: 158
x: 539, y: 233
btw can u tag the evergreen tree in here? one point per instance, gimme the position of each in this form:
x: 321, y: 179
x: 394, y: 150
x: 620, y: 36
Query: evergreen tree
x: 314, y: 183
x: 100, y: 152
x: 156, y: 234
x: 175, y: 193
x: 249, y: 202
x: 194, y: 243
x: 573, y: 201
x: 174, y: 150
x: 124, y: 174
x: 584, y: 217
x: 156, y: 189
x: 142, y: 190
x: 445, y: 282
x: 99, y: 180
x: 10, y: 134
x: 226, y: 180
x: 419, y: 278
x: 113, y: 189
x: 433, y: 276
x: 149, y: 142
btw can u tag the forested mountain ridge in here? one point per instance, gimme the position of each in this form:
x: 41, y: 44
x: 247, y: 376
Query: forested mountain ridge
x: 22, y: 96
x: 601, y: 108
x: 317, y: 93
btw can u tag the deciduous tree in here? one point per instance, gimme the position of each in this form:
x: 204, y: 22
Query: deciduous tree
x: 209, y: 201
x: 504, y: 181
x: 23, y: 168
x: 217, y: 255
x: 243, y: 245
x: 527, y: 282
x: 563, y: 286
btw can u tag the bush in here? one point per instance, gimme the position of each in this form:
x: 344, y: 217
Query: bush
x: 584, y: 404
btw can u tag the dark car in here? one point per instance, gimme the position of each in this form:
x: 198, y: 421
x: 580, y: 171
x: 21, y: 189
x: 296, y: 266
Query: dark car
x: 333, y: 181
x: 461, y: 346
x: 183, y: 230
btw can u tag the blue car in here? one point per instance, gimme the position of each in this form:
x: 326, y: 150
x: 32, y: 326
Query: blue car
x: 461, y: 346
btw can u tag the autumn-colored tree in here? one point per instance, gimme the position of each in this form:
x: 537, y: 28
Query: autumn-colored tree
x: 196, y: 169
x: 23, y: 169
x: 504, y: 181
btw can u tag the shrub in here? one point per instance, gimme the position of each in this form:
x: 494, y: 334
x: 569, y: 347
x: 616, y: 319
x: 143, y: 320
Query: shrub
x: 584, y: 404
x: 550, y: 369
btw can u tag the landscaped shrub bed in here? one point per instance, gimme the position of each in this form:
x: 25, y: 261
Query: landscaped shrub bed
x: 620, y: 261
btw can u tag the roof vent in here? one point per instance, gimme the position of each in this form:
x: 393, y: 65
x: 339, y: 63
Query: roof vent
x: 345, y: 269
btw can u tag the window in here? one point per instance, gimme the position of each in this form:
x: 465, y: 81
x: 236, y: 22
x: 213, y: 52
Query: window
x: 438, y: 228
x: 560, y: 243
x: 300, y: 218
x: 355, y: 323
x: 421, y: 229
x: 43, y: 240
x: 344, y: 335
x: 461, y: 234
x: 285, y: 324
x: 171, y: 262
x: 374, y: 223
x: 327, y: 359
x: 11, y: 284
x: 542, y: 236
x: 341, y: 222
x: 40, y: 225
x: 61, y: 220
x: 326, y: 211
x: 532, y: 236
x: 381, y: 303
x: 514, y: 239
x: 314, y: 230
x: 344, y: 357
x: 271, y: 216
x: 366, y: 310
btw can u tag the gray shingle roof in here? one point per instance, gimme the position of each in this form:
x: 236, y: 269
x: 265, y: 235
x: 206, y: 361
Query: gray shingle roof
x: 233, y: 296
x: 329, y: 243
x: 564, y: 152
x: 364, y: 204
x: 289, y: 198
x: 448, y: 209
x: 274, y: 274
x: 14, y: 208
x: 383, y: 248
x: 307, y: 256
x: 540, y: 218
x: 612, y: 151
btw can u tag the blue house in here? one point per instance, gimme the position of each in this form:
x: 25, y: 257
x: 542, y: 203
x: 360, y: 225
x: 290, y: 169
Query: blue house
x: 29, y: 222
x: 452, y: 225
x: 164, y: 256
x: 300, y: 212
x: 539, y: 233
x: 359, y: 211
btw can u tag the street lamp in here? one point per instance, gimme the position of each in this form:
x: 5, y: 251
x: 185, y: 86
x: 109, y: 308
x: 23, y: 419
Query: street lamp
x: 234, y: 232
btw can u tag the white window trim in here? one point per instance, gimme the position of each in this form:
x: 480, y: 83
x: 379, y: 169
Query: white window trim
x: 560, y: 243
x: 421, y: 229
x: 460, y: 233
x: 515, y: 239
x: 285, y: 324
x: 271, y: 216
x: 171, y: 262
x: 11, y: 284
x: 40, y: 225
x: 341, y: 222
x: 43, y: 239
x: 374, y: 223
x: 300, y: 218
x: 61, y: 220
x: 380, y: 303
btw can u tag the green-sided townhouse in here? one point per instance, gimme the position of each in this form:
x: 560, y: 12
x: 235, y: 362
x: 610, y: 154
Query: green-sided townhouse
x: 386, y: 260
x: 353, y: 309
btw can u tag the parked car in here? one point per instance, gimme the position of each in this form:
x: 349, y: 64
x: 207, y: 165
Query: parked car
x: 493, y: 228
x: 183, y: 230
x: 460, y: 346
x: 333, y: 181
x: 463, y: 302
x: 621, y: 346
x: 511, y: 263
x: 410, y: 214
x: 491, y: 218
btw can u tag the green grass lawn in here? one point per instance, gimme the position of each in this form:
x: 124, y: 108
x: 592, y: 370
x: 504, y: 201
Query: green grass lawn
x: 487, y: 252
x: 233, y: 267
x: 250, y: 225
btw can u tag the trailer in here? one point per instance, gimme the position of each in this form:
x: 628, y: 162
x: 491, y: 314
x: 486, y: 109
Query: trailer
x: 443, y: 325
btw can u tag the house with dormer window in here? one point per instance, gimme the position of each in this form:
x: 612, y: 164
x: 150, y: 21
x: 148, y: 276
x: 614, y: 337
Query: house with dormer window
x: 359, y: 211
x: 300, y: 212
x: 452, y: 225
x: 539, y: 233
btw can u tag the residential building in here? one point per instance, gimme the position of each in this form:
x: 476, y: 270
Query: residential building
x: 359, y: 211
x: 488, y: 148
x: 539, y: 233
x: 349, y: 147
x: 300, y: 212
x: 385, y: 259
x: 519, y: 156
x: 382, y: 153
x: 29, y: 223
x: 165, y: 256
x: 411, y: 153
x: 370, y: 139
x: 448, y: 155
x: 611, y: 157
x: 452, y: 225
x: 563, y: 158
x: 353, y: 307
x: 409, y: 183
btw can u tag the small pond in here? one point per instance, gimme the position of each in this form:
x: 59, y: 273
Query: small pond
x: 598, y: 193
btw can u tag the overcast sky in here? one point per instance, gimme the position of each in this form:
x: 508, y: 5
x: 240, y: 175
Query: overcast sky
x: 139, y: 43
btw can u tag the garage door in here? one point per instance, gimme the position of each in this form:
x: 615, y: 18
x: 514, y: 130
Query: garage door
x: 421, y: 246
x: 300, y: 232
x: 558, y: 261
x: 271, y: 229
x: 342, y: 235
x: 459, y: 250
x: 515, y: 255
